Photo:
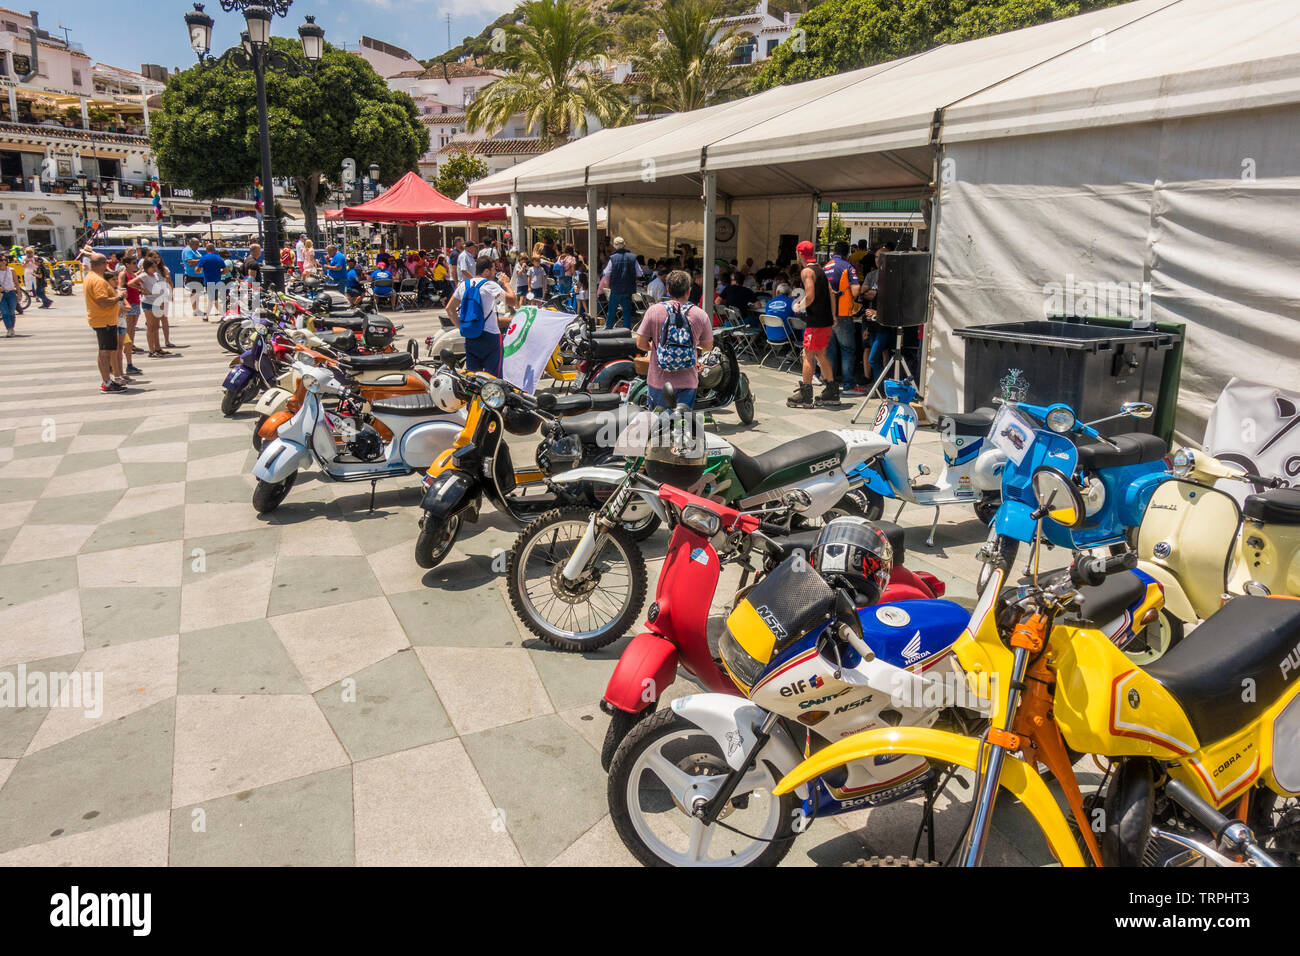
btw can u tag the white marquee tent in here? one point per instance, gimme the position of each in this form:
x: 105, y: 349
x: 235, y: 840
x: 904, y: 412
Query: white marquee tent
x: 1152, y: 143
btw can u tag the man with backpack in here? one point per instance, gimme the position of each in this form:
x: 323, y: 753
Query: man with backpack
x: 473, y: 306
x: 672, y: 332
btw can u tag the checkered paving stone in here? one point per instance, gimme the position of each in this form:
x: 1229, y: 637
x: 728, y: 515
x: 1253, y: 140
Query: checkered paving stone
x: 293, y: 689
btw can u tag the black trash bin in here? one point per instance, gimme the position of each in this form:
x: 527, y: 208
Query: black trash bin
x: 1092, y: 368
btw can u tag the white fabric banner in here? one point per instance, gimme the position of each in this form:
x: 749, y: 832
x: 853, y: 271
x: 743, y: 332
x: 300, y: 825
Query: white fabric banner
x: 529, y: 343
x: 1257, y: 428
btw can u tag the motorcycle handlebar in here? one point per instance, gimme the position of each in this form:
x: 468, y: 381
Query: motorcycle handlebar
x: 1091, y: 571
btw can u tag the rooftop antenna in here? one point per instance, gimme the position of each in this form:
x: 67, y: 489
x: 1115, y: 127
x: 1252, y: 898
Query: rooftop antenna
x: 65, y: 35
x: 448, y: 31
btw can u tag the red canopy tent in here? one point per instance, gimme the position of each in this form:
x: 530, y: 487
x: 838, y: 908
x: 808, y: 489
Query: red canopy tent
x: 411, y: 199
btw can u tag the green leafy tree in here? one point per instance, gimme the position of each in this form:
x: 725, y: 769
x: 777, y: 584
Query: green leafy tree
x: 688, y: 65
x: 554, y: 58
x: 457, y: 171
x: 834, y: 231
x: 840, y: 35
x: 206, y: 137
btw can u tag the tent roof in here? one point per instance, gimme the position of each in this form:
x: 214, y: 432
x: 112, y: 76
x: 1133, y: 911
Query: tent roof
x: 411, y: 199
x: 1193, y: 57
x: 1120, y: 64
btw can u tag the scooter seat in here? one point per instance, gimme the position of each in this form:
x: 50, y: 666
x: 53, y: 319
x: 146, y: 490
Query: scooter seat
x: 1134, y: 448
x: 339, y: 341
x: 1107, y: 601
x: 575, y: 402
x: 417, y: 404
x: 1275, y: 506
x: 611, y: 348
x: 1249, y: 637
x: 788, y: 462
x: 588, y: 427
x: 385, y: 361
x: 980, y: 420
x: 350, y: 323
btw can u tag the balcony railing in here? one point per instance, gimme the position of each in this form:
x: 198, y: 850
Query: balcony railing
x: 109, y: 189
x: 125, y: 134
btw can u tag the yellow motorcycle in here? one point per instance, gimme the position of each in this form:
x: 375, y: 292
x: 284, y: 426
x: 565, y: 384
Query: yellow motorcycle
x: 1202, y: 747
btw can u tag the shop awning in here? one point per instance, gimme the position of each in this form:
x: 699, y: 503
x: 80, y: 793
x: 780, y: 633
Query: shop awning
x: 411, y: 199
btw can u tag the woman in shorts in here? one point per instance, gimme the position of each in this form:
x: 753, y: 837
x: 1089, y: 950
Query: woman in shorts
x: 130, y: 315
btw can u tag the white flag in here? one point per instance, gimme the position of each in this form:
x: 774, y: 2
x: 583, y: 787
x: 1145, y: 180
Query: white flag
x: 529, y: 343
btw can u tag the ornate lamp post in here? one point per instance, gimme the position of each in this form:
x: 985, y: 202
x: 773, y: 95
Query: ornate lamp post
x: 256, y: 53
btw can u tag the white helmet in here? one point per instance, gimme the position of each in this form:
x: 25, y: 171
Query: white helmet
x: 443, y: 390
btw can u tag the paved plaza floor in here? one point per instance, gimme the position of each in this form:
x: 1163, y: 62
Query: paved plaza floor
x: 294, y: 689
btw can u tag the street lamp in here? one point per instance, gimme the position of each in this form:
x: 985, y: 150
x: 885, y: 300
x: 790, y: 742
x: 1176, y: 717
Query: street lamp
x: 81, y: 184
x: 255, y: 52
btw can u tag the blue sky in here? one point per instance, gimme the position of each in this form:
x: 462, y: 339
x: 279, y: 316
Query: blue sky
x: 128, y: 33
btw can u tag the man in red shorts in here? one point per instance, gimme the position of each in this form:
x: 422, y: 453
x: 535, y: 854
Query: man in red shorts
x: 818, y: 322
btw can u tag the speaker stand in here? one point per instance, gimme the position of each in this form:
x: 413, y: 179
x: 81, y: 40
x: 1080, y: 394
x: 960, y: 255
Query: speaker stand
x: 896, y: 361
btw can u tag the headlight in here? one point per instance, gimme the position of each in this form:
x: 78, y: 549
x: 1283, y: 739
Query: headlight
x: 1182, y: 463
x: 494, y: 396
x: 744, y: 670
x: 701, y: 519
x: 1060, y: 420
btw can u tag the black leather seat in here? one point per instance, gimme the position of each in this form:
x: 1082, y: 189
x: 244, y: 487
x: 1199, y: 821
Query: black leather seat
x: 789, y: 462
x: 980, y: 420
x: 1250, y: 638
x: 1133, y: 448
x: 419, y: 404
x: 384, y: 361
x: 575, y: 402
x: 328, y: 322
x: 339, y: 341
x: 611, y: 348
x: 592, y: 426
x: 1108, y: 600
x: 1275, y: 506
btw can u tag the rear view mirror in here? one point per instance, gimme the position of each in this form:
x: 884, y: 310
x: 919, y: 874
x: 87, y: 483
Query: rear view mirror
x: 546, y: 401
x: 1058, y: 498
x: 447, y: 357
x: 1138, y: 409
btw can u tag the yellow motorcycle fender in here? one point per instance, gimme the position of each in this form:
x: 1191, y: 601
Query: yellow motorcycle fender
x: 1176, y: 600
x: 1018, y: 778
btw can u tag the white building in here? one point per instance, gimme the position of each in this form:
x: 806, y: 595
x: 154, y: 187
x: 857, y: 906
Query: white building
x: 760, y: 33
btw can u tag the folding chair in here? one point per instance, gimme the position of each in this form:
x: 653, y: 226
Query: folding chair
x: 746, y: 335
x: 779, y: 341
x: 408, y: 294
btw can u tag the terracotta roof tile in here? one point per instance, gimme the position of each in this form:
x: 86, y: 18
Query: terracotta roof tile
x: 509, y: 146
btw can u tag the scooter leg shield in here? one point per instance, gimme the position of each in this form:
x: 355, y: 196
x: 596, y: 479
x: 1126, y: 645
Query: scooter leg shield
x: 647, y: 667
x: 279, y: 459
x: 732, y: 722
x: 271, y: 401
x: 1176, y: 600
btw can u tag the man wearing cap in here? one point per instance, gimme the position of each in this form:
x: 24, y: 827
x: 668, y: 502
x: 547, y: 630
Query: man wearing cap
x: 622, y: 270
x: 818, y: 322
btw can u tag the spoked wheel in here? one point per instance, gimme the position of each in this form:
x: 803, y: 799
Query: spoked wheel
x: 579, y: 615
x: 1155, y: 640
x: 437, y: 535
x: 642, y: 529
x: 268, y: 496
x: 667, y: 763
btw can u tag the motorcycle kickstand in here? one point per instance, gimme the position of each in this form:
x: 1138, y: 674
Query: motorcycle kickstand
x: 901, y: 506
x: 929, y: 542
x: 927, y: 819
x: 373, y: 483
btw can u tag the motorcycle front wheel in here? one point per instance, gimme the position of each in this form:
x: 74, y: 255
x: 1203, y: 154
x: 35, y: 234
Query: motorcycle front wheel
x: 649, y: 781
x: 437, y: 535
x: 268, y: 496
x: 228, y: 334
x: 579, y: 615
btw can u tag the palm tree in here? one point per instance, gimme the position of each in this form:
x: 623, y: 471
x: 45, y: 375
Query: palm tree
x: 555, y: 56
x: 688, y: 65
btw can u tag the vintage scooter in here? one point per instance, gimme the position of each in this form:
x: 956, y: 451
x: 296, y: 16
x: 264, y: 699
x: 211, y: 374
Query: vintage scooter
x: 1201, y: 546
x: 1198, y: 772
x: 721, y: 383
x: 255, y: 369
x: 972, y: 473
x: 384, y: 439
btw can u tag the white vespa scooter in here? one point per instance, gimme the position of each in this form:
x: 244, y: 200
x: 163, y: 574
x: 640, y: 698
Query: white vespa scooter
x: 387, y: 439
x: 972, y: 473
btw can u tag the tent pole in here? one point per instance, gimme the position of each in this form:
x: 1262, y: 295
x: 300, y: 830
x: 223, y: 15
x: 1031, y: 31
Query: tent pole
x: 710, y: 208
x: 517, y: 219
x: 593, y: 259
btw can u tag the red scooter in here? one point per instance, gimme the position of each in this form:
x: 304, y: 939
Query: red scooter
x: 677, y: 621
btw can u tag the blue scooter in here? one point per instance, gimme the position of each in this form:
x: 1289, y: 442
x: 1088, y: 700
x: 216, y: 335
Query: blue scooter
x: 252, y: 371
x: 1115, y: 478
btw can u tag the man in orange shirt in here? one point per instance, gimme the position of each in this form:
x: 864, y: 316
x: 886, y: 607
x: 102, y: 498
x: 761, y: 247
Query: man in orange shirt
x: 103, y: 302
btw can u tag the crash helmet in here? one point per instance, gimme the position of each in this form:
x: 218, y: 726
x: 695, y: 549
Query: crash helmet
x: 854, y: 552
x: 677, y: 452
x: 445, y: 393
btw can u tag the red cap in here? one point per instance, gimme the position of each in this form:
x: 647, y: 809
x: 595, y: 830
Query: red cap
x: 806, y: 250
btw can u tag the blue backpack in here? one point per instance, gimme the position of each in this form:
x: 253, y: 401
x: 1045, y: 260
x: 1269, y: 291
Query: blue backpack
x: 471, y: 311
x: 675, y: 350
